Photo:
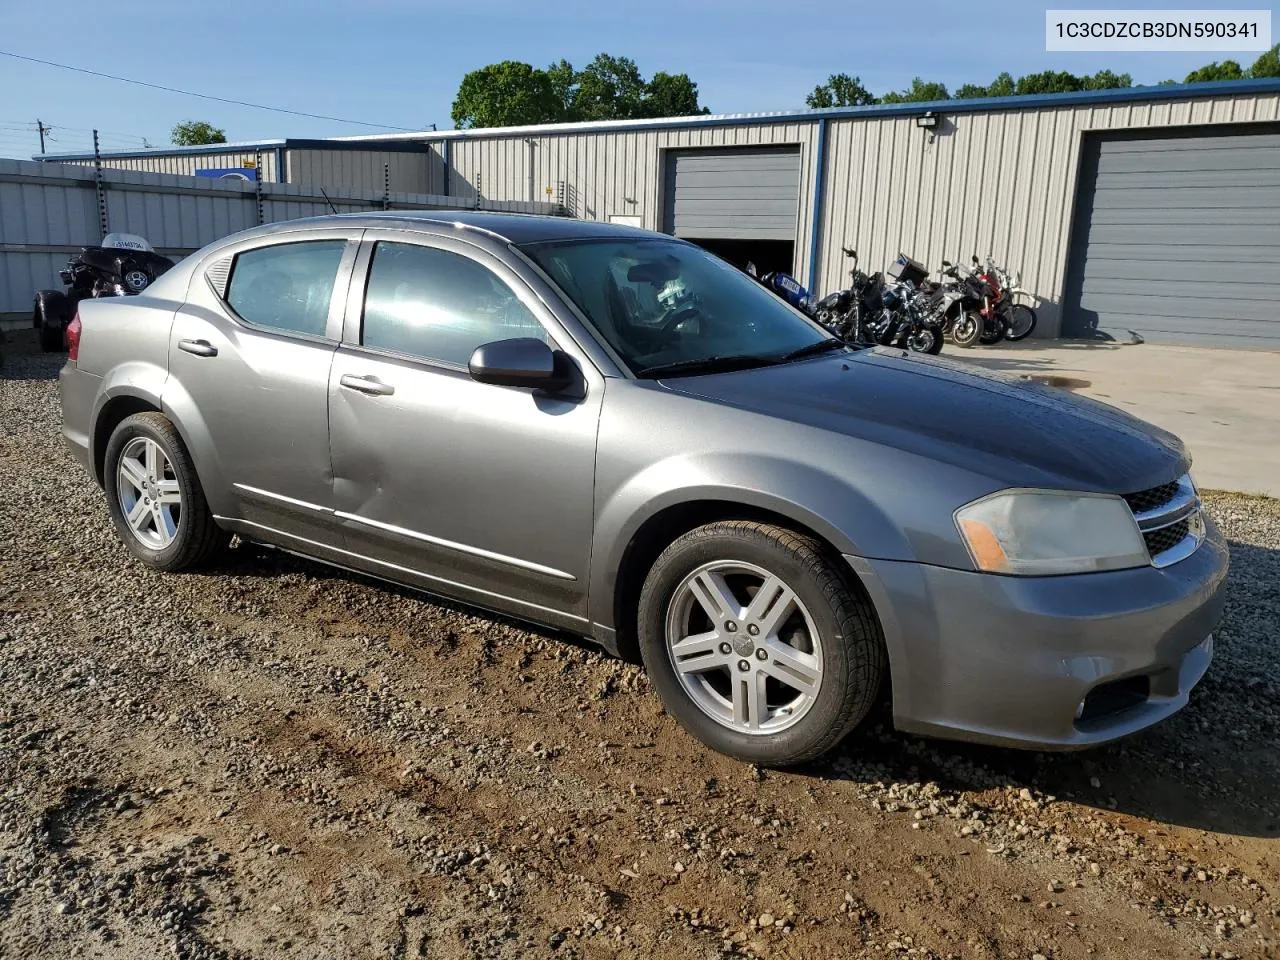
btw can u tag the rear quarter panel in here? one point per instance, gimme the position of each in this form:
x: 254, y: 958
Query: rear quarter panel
x: 124, y: 343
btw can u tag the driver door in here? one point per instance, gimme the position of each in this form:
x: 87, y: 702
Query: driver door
x: 477, y: 491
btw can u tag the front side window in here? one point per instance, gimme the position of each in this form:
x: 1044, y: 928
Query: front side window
x: 668, y: 307
x: 286, y: 286
x: 436, y: 305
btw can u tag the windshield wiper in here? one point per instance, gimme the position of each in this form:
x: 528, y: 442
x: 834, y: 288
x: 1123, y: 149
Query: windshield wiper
x: 734, y: 361
x: 812, y: 349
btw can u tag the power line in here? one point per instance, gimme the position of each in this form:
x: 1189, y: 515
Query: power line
x: 202, y: 96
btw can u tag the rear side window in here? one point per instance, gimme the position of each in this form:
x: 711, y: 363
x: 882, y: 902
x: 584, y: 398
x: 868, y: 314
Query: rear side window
x: 287, y: 286
x: 436, y: 305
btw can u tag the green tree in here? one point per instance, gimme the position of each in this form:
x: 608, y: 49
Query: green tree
x: 1106, y: 80
x: 564, y: 85
x: 194, y: 133
x: 506, y: 94
x: 1226, y: 70
x: 609, y: 88
x: 1267, y: 65
x: 671, y: 95
x: 1002, y: 86
x: 1049, y: 81
x: 918, y: 92
x: 840, y: 90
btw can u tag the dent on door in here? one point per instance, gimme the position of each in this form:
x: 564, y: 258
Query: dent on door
x: 481, y: 488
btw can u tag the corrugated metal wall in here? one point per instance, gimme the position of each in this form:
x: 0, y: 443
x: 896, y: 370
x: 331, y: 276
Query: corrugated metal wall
x: 613, y: 172
x: 186, y: 164
x: 999, y: 183
x: 363, y: 169
x: 49, y: 211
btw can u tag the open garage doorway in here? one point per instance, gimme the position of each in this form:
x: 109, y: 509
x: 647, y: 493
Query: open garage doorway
x: 767, y: 255
x: 741, y: 203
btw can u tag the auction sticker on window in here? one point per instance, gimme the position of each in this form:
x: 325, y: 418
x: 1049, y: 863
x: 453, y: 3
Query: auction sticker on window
x: 1167, y: 30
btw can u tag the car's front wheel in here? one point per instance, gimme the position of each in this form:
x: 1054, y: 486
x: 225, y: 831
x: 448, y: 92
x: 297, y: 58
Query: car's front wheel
x: 155, y: 498
x: 757, y: 643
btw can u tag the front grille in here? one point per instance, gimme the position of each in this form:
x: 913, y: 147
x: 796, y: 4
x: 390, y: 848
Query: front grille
x: 1158, y: 541
x: 1145, y: 500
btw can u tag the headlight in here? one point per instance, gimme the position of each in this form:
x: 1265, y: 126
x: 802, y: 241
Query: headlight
x: 1044, y: 532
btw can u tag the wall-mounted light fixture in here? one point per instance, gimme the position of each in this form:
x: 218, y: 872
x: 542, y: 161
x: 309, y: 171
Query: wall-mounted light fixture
x: 927, y: 121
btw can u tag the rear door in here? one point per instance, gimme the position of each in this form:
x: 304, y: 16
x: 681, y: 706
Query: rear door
x: 474, y: 490
x: 249, y: 359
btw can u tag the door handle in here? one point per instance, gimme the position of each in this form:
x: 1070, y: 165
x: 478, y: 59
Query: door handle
x: 370, y: 385
x: 200, y: 348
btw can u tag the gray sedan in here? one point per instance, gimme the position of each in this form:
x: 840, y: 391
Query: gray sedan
x: 611, y: 432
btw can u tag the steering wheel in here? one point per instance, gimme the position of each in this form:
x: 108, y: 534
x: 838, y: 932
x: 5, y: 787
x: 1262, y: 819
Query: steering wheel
x: 677, y: 318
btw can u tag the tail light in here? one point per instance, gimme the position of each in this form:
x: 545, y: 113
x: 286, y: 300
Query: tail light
x: 73, y: 338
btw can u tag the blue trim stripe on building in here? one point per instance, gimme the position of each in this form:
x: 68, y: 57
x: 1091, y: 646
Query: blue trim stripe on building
x: 815, y: 221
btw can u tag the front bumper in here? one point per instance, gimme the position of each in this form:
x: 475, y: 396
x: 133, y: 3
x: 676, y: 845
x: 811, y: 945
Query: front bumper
x: 1010, y: 660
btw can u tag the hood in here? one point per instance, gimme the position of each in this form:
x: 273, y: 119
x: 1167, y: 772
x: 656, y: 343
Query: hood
x: 1015, y: 432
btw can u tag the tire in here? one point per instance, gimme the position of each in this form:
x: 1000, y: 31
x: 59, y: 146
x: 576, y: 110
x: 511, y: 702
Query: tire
x: 50, y: 313
x: 52, y: 339
x: 967, y: 329
x: 166, y: 539
x: 827, y: 632
x: 992, y: 333
x: 926, y: 340
x: 1022, y: 320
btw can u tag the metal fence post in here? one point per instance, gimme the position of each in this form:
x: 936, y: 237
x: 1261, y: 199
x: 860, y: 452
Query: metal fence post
x: 257, y: 189
x: 100, y: 187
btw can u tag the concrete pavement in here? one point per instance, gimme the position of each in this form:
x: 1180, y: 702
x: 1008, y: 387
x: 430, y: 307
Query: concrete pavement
x: 1224, y: 403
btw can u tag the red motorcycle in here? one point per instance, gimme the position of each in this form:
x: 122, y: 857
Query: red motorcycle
x: 990, y: 313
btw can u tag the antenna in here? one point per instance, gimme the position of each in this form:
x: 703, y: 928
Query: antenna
x: 332, y: 208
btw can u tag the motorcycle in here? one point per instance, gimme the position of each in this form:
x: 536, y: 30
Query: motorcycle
x: 785, y: 286
x: 123, y: 265
x: 990, y: 297
x: 873, y: 312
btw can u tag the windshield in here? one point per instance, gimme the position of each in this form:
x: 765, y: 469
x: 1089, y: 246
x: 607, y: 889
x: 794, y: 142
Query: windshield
x: 666, y: 306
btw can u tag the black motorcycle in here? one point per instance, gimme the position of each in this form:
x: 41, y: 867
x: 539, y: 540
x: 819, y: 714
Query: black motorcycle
x: 873, y: 312
x: 105, y: 271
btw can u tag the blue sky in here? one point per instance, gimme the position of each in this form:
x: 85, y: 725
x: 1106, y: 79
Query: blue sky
x: 398, y: 62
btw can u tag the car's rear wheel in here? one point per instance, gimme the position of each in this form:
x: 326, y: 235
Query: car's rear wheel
x: 155, y: 498
x: 757, y: 643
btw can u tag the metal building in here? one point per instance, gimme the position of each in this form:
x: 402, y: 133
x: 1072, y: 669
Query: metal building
x: 410, y: 165
x: 1154, y: 210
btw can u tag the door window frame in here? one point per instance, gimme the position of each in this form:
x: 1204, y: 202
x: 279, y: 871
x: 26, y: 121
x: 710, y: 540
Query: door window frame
x: 508, y: 273
x: 337, y: 299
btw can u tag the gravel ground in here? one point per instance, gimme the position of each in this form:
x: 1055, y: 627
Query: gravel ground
x: 277, y: 760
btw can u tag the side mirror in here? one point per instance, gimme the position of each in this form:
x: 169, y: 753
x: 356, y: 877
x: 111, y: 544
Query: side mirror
x: 946, y: 263
x: 974, y: 258
x: 521, y: 362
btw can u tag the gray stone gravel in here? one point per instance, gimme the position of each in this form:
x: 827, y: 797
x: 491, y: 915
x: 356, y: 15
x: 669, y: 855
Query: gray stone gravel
x: 275, y: 760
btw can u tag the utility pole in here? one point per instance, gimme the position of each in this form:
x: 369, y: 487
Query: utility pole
x: 43, y: 130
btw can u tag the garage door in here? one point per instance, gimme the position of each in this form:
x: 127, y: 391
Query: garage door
x: 733, y: 194
x: 1177, y: 238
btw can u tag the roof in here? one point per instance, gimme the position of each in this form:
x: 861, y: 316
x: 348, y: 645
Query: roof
x: 1177, y: 91
x: 414, y: 145
x: 517, y: 228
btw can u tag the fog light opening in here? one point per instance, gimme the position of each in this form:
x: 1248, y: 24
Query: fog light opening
x: 1108, y: 699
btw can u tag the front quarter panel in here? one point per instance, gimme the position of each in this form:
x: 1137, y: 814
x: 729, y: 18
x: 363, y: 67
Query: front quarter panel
x: 659, y: 448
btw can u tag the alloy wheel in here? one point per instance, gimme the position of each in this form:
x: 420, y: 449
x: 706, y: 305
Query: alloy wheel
x: 149, y: 494
x: 744, y: 648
